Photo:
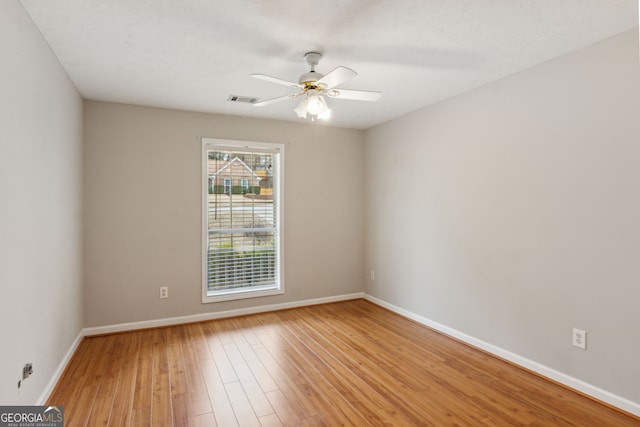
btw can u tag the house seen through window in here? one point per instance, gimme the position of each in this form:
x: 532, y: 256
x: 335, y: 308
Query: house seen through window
x: 242, y: 243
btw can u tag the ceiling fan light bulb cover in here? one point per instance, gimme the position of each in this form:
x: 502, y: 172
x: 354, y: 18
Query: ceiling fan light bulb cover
x: 316, y: 105
x: 301, y: 109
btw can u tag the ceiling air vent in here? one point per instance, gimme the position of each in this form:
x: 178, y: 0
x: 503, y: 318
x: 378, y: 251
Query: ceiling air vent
x: 245, y: 99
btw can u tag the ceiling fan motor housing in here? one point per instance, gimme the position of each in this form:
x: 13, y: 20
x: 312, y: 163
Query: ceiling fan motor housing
x: 309, y: 78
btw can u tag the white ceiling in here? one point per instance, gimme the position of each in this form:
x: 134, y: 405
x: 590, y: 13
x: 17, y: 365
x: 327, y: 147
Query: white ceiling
x: 193, y: 54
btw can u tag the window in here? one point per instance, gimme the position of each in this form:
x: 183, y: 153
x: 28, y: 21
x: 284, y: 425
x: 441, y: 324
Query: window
x: 242, y: 224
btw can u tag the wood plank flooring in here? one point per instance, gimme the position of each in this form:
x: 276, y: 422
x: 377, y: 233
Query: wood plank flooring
x: 349, y: 363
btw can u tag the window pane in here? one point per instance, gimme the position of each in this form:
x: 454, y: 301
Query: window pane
x: 242, y: 224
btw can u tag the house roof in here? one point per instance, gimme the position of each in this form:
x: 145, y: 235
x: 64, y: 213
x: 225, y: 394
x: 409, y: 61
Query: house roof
x: 228, y: 164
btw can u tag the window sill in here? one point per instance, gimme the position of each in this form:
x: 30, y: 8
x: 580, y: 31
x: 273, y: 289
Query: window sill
x: 242, y: 293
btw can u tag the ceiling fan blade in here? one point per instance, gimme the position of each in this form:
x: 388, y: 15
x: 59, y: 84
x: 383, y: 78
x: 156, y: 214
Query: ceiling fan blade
x: 337, y: 76
x: 276, y: 81
x: 356, y: 95
x: 274, y: 100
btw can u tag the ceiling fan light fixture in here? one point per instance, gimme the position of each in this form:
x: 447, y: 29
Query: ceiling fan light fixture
x: 313, y: 105
x: 301, y: 109
x: 316, y: 104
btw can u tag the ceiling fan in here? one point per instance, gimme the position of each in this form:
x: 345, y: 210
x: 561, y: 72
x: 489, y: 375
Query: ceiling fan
x: 312, y: 86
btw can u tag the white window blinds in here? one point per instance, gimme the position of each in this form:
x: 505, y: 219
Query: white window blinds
x: 242, y: 242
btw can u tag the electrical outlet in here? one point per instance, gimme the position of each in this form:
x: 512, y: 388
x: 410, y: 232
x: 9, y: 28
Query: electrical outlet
x: 373, y: 275
x: 164, y: 292
x: 579, y: 338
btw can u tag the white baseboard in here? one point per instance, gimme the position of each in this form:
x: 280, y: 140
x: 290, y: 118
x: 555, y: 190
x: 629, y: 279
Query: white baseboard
x: 121, y: 327
x: 59, y: 370
x: 574, y: 383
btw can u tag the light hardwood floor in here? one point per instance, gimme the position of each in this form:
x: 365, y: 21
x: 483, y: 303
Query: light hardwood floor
x: 349, y: 363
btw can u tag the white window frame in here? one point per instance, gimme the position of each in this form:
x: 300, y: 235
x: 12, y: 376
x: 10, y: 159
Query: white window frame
x: 244, y: 183
x: 278, y: 192
x: 226, y: 186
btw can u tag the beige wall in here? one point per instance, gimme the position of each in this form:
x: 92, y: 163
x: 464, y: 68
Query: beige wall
x: 142, y: 206
x: 522, y: 220
x: 40, y: 224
